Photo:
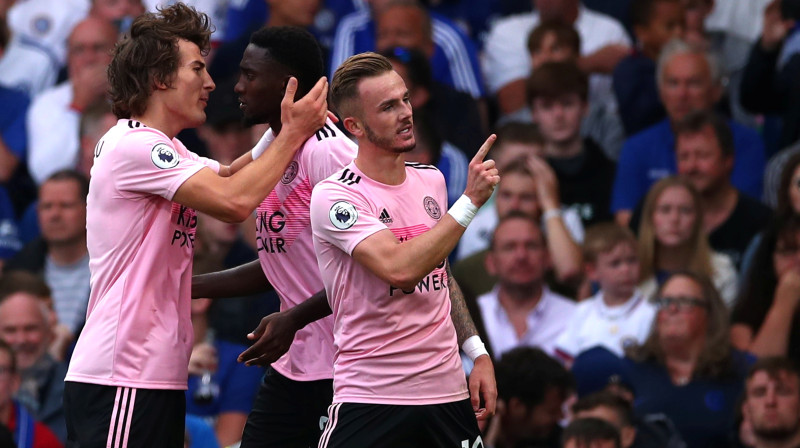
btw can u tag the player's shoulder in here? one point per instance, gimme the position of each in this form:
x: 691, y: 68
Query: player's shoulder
x: 136, y: 133
x: 344, y: 179
x: 427, y: 173
x: 421, y: 167
x: 329, y: 138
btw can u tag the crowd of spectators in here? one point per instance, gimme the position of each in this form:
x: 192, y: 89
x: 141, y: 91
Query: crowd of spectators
x: 636, y: 276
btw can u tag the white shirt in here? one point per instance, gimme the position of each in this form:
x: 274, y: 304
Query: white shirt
x: 28, y: 66
x: 545, y: 322
x: 479, y: 233
x: 506, y: 57
x: 741, y: 18
x: 48, y: 22
x: 53, y: 132
x: 615, y: 328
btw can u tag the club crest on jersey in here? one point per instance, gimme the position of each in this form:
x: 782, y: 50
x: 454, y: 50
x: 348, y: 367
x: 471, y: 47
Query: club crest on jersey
x: 163, y: 156
x: 432, y: 207
x: 290, y: 173
x: 343, y: 215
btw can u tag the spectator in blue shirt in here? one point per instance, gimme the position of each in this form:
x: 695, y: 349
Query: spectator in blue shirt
x: 688, y: 80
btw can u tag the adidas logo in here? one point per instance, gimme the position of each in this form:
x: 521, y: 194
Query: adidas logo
x: 384, y: 217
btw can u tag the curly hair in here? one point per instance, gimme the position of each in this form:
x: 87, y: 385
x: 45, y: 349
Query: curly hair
x: 149, y: 55
x: 294, y: 48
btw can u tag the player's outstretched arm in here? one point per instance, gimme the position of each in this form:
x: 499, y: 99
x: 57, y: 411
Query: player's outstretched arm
x: 242, y: 280
x: 275, y: 332
x: 405, y: 264
x: 232, y: 199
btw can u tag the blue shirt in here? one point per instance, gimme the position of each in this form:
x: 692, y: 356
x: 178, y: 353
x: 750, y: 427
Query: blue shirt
x: 237, y: 383
x: 454, y: 61
x: 12, y: 120
x: 650, y: 155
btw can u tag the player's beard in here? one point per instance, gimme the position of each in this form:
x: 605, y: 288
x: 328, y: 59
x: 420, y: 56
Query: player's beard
x: 386, y: 142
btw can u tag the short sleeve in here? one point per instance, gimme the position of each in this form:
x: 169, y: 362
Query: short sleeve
x: 146, y: 162
x: 342, y: 217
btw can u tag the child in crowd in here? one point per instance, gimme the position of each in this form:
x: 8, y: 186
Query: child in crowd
x: 617, y: 315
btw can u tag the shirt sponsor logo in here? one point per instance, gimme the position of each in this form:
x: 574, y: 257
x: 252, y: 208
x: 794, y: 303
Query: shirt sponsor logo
x: 290, y: 173
x: 432, y: 207
x: 343, y: 215
x: 163, y: 156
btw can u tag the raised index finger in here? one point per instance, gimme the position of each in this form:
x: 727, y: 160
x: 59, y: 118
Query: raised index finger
x: 484, y: 149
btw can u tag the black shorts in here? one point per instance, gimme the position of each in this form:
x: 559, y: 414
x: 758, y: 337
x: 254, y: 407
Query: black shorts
x: 108, y: 416
x: 447, y: 425
x: 287, y: 413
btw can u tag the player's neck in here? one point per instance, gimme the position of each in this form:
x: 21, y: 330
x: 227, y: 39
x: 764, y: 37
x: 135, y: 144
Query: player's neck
x: 157, y: 118
x: 381, y: 165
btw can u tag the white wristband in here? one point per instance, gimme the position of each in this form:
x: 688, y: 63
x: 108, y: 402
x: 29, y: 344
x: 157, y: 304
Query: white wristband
x: 474, y: 347
x: 463, y: 211
x: 552, y: 213
x: 262, y: 144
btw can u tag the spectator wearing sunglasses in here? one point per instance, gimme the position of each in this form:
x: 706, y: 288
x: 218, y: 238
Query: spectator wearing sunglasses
x: 687, y: 369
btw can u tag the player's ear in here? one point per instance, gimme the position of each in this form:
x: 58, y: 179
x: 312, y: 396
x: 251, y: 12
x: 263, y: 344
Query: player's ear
x: 354, y: 126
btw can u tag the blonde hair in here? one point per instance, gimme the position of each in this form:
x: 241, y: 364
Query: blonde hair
x: 344, y: 86
x: 700, y: 255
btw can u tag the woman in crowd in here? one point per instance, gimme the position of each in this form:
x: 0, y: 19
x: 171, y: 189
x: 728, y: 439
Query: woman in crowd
x: 671, y: 238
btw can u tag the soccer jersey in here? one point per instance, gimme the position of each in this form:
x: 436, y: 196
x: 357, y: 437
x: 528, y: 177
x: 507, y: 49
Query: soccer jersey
x: 615, y: 328
x: 392, y: 346
x: 286, y: 252
x: 138, y: 331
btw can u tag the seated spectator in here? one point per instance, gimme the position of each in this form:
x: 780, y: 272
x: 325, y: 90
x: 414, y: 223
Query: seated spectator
x: 453, y: 56
x: 655, y: 22
x: 531, y: 390
x: 634, y: 432
x: 60, y: 255
x: 455, y: 115
x: 787, y: 158
x: 96, y: 120
x: 47, y: 24
x: 27, y: 431
x: 557, y: 42
x: 219, y: 388
x: 671, y: 238
x: 765, y: 318
x: 687, y: 368
x: 53, y: 120
x: 705, y: 153
x: 771, y: 405
x: 521, y: 310
x: 527, y: 186
x: 688, y: 80
x: 768, y: 84
x: 618, y: 316
x: 26, y: 325
x: 591, y: 432
x: 506, y: 62
x: 557, y: 93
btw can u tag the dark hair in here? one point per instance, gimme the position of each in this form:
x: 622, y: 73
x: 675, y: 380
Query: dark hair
x: 784, y: 204
x: 416, y: 63
x: 715, y: 360
x: 23, y: 282
x: 294, y: 48
x: 607, y: 399
x: 75, y: 176
x: 565, y: 35
x: 527, y: 373
x: 518, y: 132
x: 344, y: 86
x: 587, y: 430
x: 642, y: 11
x: 694, y: 122
x: 773, y: 366
x: 758, y: 288
x: 149, y: 54
x: 555, y: 79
